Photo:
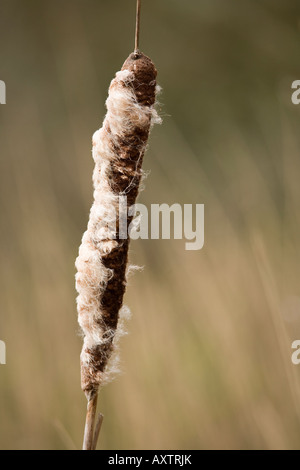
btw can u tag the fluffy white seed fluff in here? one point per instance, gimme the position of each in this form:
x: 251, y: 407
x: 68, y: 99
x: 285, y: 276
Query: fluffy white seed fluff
x: 124, y: 114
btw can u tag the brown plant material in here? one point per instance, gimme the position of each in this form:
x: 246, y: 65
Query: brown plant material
x: 118, y: 151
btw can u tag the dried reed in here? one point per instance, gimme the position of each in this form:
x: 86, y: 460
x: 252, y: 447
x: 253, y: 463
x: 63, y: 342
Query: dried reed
x: 118, y: 151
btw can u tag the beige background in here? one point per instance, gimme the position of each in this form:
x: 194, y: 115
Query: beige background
x: 207, y: 363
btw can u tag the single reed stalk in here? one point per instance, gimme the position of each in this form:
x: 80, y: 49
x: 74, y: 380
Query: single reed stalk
x: 137, y: 26
x: 97, y: 430
x: 89, y: 423
x: 118, y: 151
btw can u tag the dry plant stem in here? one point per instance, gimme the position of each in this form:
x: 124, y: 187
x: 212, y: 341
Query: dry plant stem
x: 97, y: 430
x: 88, y: 440
x: 137, y: 28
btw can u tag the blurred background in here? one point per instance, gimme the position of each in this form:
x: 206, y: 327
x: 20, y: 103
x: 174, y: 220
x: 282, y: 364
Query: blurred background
x: 207, y: 363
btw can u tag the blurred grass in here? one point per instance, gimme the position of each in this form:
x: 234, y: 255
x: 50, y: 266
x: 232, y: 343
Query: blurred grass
x: 207, y: 362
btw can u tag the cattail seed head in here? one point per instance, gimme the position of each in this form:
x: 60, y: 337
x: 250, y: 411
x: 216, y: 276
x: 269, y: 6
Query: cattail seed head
x: 118, y: 151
